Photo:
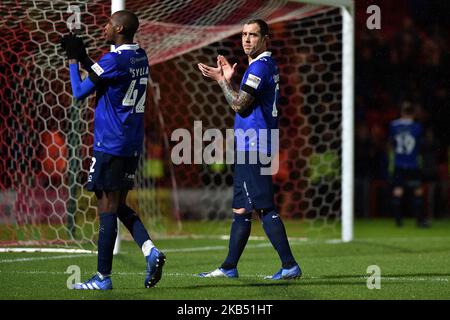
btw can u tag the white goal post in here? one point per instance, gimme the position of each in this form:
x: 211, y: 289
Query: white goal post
x: 348, y: 80
x: 117, y: 5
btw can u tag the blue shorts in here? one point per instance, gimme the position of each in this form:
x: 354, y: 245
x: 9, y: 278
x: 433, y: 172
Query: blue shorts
x: 252, y: 190
x: 406, y: 178
x: 111, y: 173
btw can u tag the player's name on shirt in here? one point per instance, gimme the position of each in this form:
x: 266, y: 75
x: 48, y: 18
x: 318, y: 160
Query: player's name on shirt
x: 139, y: 72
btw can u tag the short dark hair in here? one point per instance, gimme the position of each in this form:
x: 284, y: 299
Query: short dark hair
x: 407, y: 108
x: 129, y: 21
x: 263, y: 27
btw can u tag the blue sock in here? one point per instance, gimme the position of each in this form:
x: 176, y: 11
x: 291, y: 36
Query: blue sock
x: 132, y: 222
x: 240, y: 231
x: 275, y: 231
x: 107, y: 234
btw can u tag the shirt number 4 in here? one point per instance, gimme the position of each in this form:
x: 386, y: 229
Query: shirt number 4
x: 132, y: 96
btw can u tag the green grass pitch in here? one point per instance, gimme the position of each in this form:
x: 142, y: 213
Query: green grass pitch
x: 414, y: 264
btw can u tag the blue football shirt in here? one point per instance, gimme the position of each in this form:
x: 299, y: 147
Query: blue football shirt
x: 261, y: 80
x: 120, y: 77
x: 406, y: 136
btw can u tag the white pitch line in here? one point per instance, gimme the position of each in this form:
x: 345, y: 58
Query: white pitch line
x: 44, y: 250
x: 67, y: 256
x: 193, y: 249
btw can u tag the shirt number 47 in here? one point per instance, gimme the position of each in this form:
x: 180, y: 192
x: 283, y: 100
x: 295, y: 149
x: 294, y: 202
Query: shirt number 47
x: 132, y: 96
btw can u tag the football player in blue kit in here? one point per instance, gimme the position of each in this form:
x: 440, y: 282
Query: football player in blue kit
x: 255, y: 104
x: 405, y: 136
x: 119, y: 80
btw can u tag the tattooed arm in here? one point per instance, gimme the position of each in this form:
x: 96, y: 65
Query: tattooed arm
x: 238, y: 101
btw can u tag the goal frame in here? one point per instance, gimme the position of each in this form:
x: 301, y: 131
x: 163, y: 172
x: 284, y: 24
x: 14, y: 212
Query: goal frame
x: 347, y: 8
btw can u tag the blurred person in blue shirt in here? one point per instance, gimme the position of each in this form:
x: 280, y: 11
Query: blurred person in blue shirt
x: 405, y: 136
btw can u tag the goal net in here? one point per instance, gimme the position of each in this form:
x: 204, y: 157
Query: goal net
x: 46, y: 137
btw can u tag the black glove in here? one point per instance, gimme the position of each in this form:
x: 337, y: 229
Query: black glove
x: 74, y: 47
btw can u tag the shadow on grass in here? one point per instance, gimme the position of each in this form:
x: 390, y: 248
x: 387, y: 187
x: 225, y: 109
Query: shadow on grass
x: 282, y: 284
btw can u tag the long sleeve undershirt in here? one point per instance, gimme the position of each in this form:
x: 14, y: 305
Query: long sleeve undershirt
x: 80, y: 88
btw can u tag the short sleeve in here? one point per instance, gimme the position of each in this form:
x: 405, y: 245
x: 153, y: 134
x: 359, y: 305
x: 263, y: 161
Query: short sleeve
x: 255, y: 78
x: 105, y: 68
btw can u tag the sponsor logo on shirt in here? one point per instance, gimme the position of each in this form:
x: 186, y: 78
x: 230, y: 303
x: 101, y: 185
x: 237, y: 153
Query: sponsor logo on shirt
x: 97, y: 69
x: 253, y: 81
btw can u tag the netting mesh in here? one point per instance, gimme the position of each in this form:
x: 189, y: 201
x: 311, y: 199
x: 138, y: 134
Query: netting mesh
x: 46, y: 139
x: 308, y: 183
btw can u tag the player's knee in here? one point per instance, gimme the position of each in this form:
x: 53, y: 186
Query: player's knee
x: 125, y: 213
x: 113, y: 207
x: 397, y: 192
x: 109, y: 202
x: 102, y: 204
x: 239, y: 211
x: 123, y: 198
